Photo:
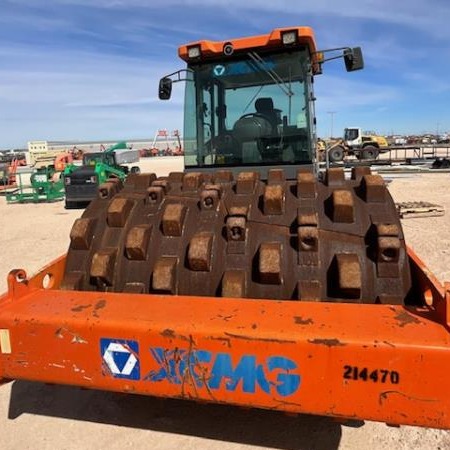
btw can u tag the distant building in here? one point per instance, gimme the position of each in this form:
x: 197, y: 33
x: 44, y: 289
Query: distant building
x: 37, y: 146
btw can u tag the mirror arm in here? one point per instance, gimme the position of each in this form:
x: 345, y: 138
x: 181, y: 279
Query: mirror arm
x: 332, y: 50
x: 178, y: 74
x: 328, y: 50
x: 352, y: 56
x: 330, y: 59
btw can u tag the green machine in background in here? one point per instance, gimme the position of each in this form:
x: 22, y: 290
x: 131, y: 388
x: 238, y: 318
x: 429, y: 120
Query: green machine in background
x: 81, y: 182
x: 43, y: 185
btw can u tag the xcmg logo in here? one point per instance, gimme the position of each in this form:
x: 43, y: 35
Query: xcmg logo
x: 214, y: 371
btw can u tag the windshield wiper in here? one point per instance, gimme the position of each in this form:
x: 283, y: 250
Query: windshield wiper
x: 261, y: 64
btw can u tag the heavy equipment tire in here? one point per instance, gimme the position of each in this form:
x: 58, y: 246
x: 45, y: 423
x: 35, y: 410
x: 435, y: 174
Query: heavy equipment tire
x: 370, y: 152
x: 445, y: 163
x: 437, y: 164
x: 441, y: 163
x: 205, y: 234
x: 336, y: 154
x: 70, y: 205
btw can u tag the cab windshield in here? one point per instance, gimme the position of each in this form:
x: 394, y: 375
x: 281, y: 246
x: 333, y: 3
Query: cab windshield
x: 249, y: 111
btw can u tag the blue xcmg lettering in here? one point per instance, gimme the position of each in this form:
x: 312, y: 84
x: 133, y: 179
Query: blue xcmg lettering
x: 215, y: 370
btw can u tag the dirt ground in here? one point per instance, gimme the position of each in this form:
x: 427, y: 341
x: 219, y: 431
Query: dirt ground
x: 39, y: 416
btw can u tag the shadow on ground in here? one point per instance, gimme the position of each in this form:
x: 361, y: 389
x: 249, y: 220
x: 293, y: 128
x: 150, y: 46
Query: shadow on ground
x: 225, y: 423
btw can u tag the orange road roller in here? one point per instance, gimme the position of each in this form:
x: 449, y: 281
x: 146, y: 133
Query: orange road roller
x: 252, y: 278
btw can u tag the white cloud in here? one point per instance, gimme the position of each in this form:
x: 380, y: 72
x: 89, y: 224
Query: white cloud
x: 428, y: 16
x: 63, y: 95
x: 345, y: 94
x: 60, y: 92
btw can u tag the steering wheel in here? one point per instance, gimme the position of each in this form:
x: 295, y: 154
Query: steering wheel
x: 255, y: 114
x: 260, y: 126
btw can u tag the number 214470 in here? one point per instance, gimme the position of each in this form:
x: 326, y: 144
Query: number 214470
x: 376, y: 376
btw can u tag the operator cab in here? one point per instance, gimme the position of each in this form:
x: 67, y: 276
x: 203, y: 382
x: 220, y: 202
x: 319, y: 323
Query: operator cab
x: 249, y: 102
x: 90, y: 159
x: 247, y: 115
x: 352, y: 136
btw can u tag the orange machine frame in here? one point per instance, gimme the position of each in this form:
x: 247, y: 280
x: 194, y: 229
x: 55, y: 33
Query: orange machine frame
x: 377, y: 362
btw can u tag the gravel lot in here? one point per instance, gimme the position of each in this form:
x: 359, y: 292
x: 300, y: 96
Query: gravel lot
x: 38, y: 416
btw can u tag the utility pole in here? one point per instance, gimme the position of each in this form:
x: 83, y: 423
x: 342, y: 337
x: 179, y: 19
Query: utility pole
x: 331, y: 113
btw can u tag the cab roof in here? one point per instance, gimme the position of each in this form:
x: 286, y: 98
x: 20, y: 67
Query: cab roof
x: 272, y: 40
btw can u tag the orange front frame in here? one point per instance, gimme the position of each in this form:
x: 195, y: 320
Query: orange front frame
x: 377, y: 362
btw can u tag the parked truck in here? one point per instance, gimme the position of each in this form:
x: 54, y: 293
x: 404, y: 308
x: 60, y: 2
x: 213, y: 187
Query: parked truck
x: 81, y: 182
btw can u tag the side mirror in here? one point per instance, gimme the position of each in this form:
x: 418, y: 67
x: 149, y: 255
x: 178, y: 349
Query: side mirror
x: 165, y: 88
x: 353, y: 59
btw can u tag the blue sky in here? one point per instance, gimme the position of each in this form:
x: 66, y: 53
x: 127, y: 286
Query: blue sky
x: 72, y: 70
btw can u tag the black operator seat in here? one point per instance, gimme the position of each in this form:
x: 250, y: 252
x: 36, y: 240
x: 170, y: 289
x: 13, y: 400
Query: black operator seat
x: 264, y: 106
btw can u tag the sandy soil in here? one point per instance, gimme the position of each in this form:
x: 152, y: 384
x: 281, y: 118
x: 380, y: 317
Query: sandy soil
x: 38, y: 416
